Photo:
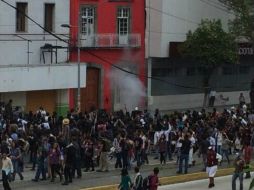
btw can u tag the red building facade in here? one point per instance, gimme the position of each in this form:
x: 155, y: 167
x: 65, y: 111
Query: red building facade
x: 112, y: 34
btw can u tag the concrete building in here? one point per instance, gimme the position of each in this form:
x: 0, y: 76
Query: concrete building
x: 112, y: 37
x: 34, y: 65
x: 167, y: 23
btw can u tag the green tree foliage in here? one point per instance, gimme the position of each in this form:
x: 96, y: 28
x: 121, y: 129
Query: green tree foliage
x: 210, y: 46
x: 243, y: 23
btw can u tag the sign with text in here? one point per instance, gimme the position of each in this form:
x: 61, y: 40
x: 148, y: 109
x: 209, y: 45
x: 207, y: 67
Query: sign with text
x: 245, y: 49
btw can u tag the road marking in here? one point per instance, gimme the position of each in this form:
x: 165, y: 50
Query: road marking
x: 172, y: 179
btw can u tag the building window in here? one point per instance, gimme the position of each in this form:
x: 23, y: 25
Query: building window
x: 244, y: 70
x: 49, y: 15
x: 21, y: 20
x: 87, y: 26
x: 87, y: 20
x: 123, y: 24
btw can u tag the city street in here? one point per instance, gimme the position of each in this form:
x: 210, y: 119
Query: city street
x: 221, y: 183
x: 94, y: 179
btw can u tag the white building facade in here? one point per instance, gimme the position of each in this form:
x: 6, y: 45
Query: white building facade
x: 34, y: 65
x: 168, y: 22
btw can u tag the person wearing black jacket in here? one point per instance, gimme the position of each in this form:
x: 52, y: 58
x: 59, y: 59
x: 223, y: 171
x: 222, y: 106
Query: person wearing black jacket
x: 77, y: 163
x: 89, y: 153
x: 69, y: 159
x: 184, y: 155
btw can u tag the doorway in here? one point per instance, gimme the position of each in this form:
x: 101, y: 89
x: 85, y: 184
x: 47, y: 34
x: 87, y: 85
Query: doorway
x: 45, y: 98
x: 90, y: 94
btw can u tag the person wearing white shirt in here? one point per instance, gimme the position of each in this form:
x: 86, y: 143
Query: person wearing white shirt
x: 193, y: 141
x: 143, y: 148
x: 218, y: 139
x: 167, y: 133
x: 7, y: 169
x: 178, y: 146
x: 23, y: 123
x: 251, y: 117
x: 45, y: 125
x: 212, y: 142
x: 157, y: 136
x: 116, y: 145
x: 212, y: 98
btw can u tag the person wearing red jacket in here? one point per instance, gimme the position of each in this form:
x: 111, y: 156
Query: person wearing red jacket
x: 212, y: 165
x: 247, y: 152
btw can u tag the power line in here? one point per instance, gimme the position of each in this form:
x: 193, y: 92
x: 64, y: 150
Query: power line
x: 99, y: 57
x: 219, y: 3
x: 173, y: 33
x: 36, y: 23
x: 113, y: 65
x: 172, y: 15
x: 149, y: 77
x: 220, y: 8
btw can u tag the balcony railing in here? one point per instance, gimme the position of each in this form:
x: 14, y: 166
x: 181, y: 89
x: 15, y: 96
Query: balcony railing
x: 110, y: 41
x: 32, y: 49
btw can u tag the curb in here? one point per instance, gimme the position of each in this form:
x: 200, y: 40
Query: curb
x: 173, y: 179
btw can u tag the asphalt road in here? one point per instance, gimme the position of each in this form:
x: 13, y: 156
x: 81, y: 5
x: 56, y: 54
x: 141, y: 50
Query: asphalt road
x: 92, y: 179
x: 221, y: 183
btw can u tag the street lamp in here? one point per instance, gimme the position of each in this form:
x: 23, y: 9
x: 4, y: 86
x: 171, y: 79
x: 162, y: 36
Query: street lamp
x: 78, y: 46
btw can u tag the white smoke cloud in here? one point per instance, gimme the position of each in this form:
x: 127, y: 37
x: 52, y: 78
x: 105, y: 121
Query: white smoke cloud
x: 130, y: 89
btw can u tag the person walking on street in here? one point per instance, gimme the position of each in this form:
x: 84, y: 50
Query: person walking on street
x: 125, y: 183
x: 247, y: 152
x: 238, y: 173
x: 89, y: 154
x: 212, y: 165
x: 193, y: 141
x: 41, y: 167
x: 124, y: 150
x: 7, y: 169
x: 154, y: 180
x: 185, y: 149
x: 17, y: 160
x: 103, y: 162
x: 116, y: 145
x: 138, y: 180
x: 241, y: 100
x: 212, y: 98
x: 162, y: 149
x: 226, y: 143
x: 203, y: 151
x: 54, y: 161
x: 77, y: 164
x: 69, y: 159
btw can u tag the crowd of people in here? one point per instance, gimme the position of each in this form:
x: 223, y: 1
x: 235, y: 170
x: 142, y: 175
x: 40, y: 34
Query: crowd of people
x: 62, y: 146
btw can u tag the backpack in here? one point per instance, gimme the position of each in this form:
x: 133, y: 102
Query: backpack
x: 146, y: 183
x: 139, y: 182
